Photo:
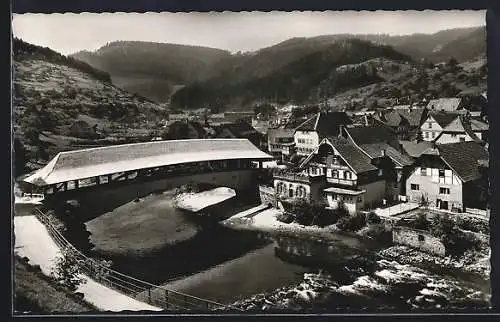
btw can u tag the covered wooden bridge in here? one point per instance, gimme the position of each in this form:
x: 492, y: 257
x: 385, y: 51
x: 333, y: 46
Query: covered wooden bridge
x: 118, y: 164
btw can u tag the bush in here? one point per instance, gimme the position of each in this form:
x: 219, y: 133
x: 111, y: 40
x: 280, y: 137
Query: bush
x: 421, y: 222
x: 377, y: 232
x: 372, y: 218
x: 67, y: 270
x: 353, y: 223
x: 308, y: 214
x: 457, y: 242
x: 285, y: 217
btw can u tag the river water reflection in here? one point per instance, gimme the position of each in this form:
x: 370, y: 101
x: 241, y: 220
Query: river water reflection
x: 225, y: 265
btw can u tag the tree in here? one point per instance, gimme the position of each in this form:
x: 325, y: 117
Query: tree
x: 67, y: 270
x: 420, y: 137
x: 19, y: 158
x: 421, y: 222
x: 452, y: 63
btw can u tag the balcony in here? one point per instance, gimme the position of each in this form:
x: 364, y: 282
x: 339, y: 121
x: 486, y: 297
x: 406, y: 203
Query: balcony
x: 298, y: 177
x: 345, y: 182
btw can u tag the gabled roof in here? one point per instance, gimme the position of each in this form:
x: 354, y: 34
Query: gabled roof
x: 415, y: 149
x: 477, y: 125
x: 183, y: 127
x: 459, y: 125
x: 239, y: 129
x: 357, y: 160
x: 414, y: 116
x: 277, y: 133
x: 463, y: 158
x: 81, y: 164
x: 371, y: 134
x: 377, y: 150
x: 446, y: 104
x: 443, y: 118
x: 325, y: 123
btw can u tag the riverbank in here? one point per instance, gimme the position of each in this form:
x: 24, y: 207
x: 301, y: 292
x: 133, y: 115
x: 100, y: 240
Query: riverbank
x: 34, y: 242
x: 36, y: 293
x: 266, y: 221
x: 473, y: 262
x: 196, y: 201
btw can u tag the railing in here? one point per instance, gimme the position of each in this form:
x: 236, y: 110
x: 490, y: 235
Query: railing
x: 346, y: 182
x: 141, y: 290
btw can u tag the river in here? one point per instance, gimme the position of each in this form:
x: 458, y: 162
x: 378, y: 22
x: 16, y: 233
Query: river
x: 225, y: 265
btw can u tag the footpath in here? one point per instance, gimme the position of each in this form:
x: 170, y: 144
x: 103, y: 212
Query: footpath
x: 32, y: 240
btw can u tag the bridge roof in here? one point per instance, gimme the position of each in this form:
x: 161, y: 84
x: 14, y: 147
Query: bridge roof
x: 81, y: 164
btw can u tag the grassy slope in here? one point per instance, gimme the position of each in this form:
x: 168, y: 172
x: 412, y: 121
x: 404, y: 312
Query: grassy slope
x: 50, y: 96
x: 37, y: 293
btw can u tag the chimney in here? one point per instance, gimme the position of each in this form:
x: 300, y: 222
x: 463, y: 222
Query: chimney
x: 383, y: 152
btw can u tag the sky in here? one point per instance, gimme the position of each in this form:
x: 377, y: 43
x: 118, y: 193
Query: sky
x: 234, y: 31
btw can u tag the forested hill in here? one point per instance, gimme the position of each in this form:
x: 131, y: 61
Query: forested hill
x: 157, y: 70
x: 150, y: 69
x: 308, y: 78
x: 51, y: 92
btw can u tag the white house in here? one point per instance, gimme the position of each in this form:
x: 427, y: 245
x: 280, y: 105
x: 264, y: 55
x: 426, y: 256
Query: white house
x: 309, y: 134
x: 450, y: 176
x: 435, y: 123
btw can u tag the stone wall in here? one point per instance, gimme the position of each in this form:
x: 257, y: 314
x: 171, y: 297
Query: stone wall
x: 267, y: 195
x: 418, y: 239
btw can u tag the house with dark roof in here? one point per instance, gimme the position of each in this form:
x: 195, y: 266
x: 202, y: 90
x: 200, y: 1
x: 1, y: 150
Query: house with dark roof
x: 405, y: 122
x: 450, y: 177
x: 278, y: 138
x: 336, y: 171
x: 435, y: 123
x: 449, y: 104
x: 242, y: 130
x: 415, y: 149
x: 380, y: 144
x: 459, y: 130
x: 309, y: 134
x: 185, y: 130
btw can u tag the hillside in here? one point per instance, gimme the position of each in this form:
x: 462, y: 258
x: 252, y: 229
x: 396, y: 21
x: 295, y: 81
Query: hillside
x: 308, y: 78
x: 51, y: 92
x: 156, y: 70
x: 151, y: 69
x: 404, y: 83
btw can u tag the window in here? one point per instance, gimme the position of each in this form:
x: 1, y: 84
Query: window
x: 421, y: 238
x: 335, y: 174
x: 290, y: 193
x: 423, y: 172
x: 334, y: 196
x: 433, y: 134
x: 414, y: 187
x: 444, y: 191
x: 462, y: 139
x: 441, y: 173
x: 426, y: 135
x: 360, y: 199
x: 347, y: 175
x: 453, y: 135
x: 430, y: 125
